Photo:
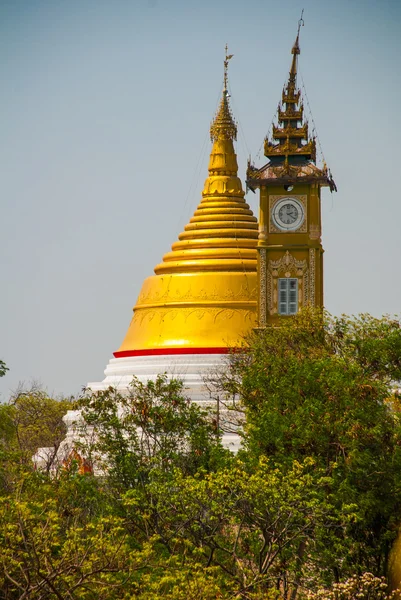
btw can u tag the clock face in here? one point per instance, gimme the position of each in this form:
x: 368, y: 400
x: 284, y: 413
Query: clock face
x: 288, y: 214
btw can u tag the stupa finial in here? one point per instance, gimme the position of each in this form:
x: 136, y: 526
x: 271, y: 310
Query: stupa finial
x: 223, y: 126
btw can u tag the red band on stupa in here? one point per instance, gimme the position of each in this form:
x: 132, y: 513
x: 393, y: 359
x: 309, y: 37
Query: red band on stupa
x: 170, y: 351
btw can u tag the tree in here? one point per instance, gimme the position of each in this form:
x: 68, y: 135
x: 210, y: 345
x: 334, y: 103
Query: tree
x: 152, y: 426
x: 241, y: 527
x: 253, y: 525
x: 59, y: 541
x: 29, y: 421
x: 318, y: 387
x: 307, y: 510
x: 3, y: 368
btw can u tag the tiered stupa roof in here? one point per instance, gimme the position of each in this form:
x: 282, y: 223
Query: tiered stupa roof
x: 202, y: 297
x: 292, y: 151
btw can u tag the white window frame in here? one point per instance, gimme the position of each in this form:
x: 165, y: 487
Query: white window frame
x: 287, y: 296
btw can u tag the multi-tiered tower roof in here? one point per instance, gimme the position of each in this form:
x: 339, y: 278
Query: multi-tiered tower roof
x: 292, y: 150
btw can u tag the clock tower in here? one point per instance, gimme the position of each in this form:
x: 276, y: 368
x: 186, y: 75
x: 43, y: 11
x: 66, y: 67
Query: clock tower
x: 290, y: 252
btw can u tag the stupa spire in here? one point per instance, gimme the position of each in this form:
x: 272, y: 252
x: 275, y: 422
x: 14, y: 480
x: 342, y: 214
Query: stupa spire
x: 203, y: 293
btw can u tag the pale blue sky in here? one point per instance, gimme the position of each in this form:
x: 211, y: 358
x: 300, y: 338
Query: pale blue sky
x: 104, y: 117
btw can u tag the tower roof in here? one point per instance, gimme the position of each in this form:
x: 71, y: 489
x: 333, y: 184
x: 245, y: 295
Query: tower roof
x: 291, y: 150
x: 203, y: 293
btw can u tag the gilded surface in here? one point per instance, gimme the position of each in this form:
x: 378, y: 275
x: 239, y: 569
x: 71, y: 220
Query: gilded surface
x: 204, y: 292
x: 306, y: 287
x: 222, y: 234
x: 223, y: 126
x: 270, y: 290
x: 315, y: 232
x: 293, y: 115
x: 187, y: 294
x: 214, y: 314
x: 290, y: 131
x: 290, y: 147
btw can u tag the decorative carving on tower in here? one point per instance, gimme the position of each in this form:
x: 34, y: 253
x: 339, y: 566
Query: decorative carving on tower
x: 287, y: 266
x: 312, y: 278
x: 265, y: 288
x: 290, y: 254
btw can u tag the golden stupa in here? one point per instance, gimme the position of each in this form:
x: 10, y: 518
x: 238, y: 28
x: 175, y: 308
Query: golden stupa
x: 202, y: 297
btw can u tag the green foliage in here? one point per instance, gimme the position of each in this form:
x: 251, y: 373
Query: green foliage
x: 307, y: 510
x: 153, y: 426
x: 254, y: 525
x: 29, y: 421
x: 373, y: 344
x: 318, y: 387
x: 363, y: 587
x: 3, y: 368
x: 37, y: 420
x: 52, y: 548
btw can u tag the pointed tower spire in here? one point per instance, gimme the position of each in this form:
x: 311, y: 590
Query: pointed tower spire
x: 291, y: 133
x: 291, y: 151
x: 296, y: 50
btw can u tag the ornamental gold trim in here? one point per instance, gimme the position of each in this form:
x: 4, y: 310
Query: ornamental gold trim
x: 269, y: 291
x: 306, y: 288
x: 303, y: 228
x: 312, y: 276
x: 217, y: 315
x: 263, y: 287
x: 245, y: 293
x: 315, y: 232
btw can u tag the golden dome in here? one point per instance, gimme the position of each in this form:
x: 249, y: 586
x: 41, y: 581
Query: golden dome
x: 202, y: 297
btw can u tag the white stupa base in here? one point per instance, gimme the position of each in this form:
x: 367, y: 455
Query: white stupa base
x: 192, y: 369
x: 78, y: 433
x: 195, y: 370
